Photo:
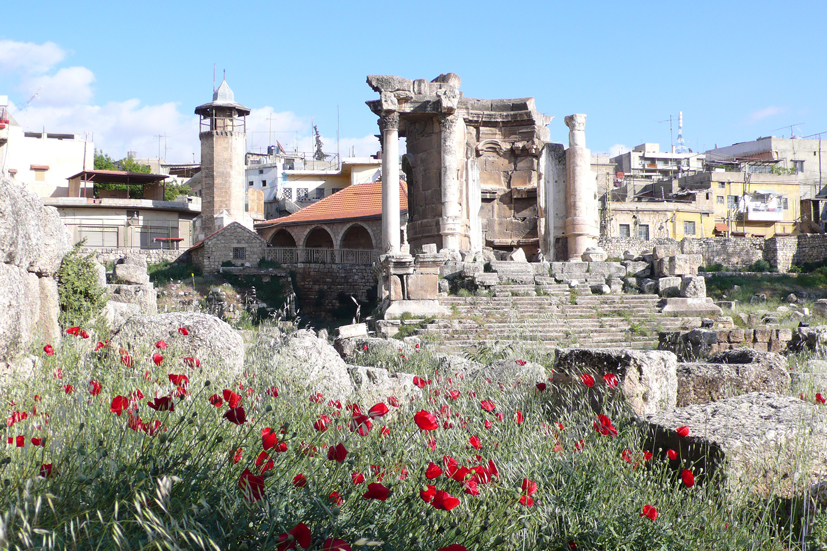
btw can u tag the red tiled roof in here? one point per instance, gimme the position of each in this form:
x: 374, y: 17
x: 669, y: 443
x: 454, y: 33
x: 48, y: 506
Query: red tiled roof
x: 721, y: 227
x: 356, y: 201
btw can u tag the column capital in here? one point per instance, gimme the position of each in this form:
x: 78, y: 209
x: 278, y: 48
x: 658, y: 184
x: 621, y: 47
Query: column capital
x: 389, y: 120
x: 448, y: 121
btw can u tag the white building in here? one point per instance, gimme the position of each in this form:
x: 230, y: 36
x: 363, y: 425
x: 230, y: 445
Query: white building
x: 648, y: 162
x: 42, y: 160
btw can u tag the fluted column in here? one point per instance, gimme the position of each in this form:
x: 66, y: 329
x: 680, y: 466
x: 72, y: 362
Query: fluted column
x: 389, y: 125
x: 582, y: 213
x: 450, y: 226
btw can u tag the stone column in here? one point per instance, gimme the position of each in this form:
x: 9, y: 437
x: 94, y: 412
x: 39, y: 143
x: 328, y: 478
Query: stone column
x: 389, y: 125
x: 450, y: 226
x: 582, y: 224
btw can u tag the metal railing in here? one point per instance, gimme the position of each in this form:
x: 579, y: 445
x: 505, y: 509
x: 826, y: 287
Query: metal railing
x: 292, y: 255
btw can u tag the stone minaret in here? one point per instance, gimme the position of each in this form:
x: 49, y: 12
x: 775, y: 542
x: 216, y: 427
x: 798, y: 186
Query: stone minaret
x: 223, y: 136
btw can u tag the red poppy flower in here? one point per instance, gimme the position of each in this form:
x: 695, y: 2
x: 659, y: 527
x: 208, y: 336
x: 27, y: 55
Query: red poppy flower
x: 94, y: 388
x: 357, y: 478
x: 216, y: 401
x: 46, y: 470
x: 683, y: 431
x: 299, y: 481
x: 299, y: 535
x: 100, y: 345
x: 119, y: 403
x: 420, y: 383
x: 470, y: 487
x: 647, y: 455
x: 379, y: 410
x: 163, y: 403
x: 68, y: 389
x: 392, y: 400
x: 384, y: 431
x: 688, y: 478
x: 425, y: 420
x: 650, y: 512
x: 252, y: 486
x: 377, y: 491
x: 334, y: 544
x: 235, y: 415
x: 272, y: 391
x: 126, y: 359
x: 361, y: 424
x: 603, y: 425
x: 626, y: 455
x: 488, y: 424
x: 15, y: 417
x: 488, y: 405
x: 269, y: 438
x: 587, y: 380
x: 153, y: 427
x: 322, y: 423
x: 445, y: 501
x: 191, y: 362
x: 541, y: 386
x: 475, y: 442
x: 239, y: 453
x: 610, y: 379
x: 49, y: 350
x: 84, y: 334
x: 179, y: 380
x: 529, y: 489
x: 433, y: 471
x: 335, y: 499
x: 136, y: 395
x: 37, y: 441
x: 521, y: 363
x: 183, y: 331
x: 264, y: 462
x: 157, y: 359
x: 20, y: 441
x: 428, y: 495
x: 58, y: 374
x: 820, y: 399
x: 672, y: 454
x: 337, y: 453
x: 453, y: 547
x: 518, y: 417
x: 74, y: 331
x: 492, y: 469
x: 231, y: 398
x: 161, y: 345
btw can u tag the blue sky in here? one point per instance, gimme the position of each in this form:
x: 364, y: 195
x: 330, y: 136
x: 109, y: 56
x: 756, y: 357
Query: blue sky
x: 737, y: 70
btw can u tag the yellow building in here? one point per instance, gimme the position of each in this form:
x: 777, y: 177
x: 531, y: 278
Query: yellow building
x: 751, y: 204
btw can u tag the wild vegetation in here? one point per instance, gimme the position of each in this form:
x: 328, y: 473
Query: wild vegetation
x: 151, y: 448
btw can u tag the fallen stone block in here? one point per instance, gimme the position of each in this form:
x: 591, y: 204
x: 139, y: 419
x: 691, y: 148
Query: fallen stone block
x: 770, y: 444
x: 693, y: 287
x: 700, y: 307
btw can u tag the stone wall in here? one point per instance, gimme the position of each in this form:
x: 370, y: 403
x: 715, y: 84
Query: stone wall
x: 733, y: 252
x: 704, y: 343
x: 152, y: 256
x: 219, y: 247
x: 318, y: 286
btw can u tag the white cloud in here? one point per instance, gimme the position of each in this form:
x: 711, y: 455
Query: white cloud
x: 66, y: 87
x: 28, y: 57
x: 762, y: 114
x: 617, y: 149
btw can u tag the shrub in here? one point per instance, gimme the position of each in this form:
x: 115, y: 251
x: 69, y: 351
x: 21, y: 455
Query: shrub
x: 265, y: 264
x: 760, y: 266
x: 81, y: 296
x: 166, y: 271
x: 713, y: 268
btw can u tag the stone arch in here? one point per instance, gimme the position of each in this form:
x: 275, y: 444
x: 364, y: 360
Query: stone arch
x: 283, y: 238
x: 356, y: 236
x: 319, y: 238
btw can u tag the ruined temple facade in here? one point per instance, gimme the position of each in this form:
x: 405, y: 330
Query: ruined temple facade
x: 482, y: 173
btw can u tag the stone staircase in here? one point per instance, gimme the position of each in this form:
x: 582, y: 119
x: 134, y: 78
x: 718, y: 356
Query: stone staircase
x: 555, y: 318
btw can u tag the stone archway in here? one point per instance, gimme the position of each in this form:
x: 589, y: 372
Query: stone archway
x: 356, y: 236
x: 283, y: 238
x: 318, y: 238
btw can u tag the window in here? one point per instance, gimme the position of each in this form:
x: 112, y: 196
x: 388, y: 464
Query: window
x: 301, y: 194
x: 39, y: 175
x: 707, y: 197
x: 287, y: 193
x: 798, y: 166
x: 623, y: 230
x: 239, y: 253
x: 719, y: 199
x: 643, y: 232
x: 721, y: 185
x: 261, y: 171
x: 320, y: 193
x: 785, y: 204
x: 264, y: 183
x: 689, y: 227
x: 732, y: 201
x: 251, y: 183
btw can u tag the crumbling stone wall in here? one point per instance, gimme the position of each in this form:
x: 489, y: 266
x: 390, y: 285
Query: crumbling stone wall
x: 735, y: 253
x: 318, y: 286
x: 219, y: 248
x: 152, y: 256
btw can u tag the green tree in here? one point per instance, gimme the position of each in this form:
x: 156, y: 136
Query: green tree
x: 128, y: 164
x: 171, y: 191
x: 81, y: 296
x: 104, y: 161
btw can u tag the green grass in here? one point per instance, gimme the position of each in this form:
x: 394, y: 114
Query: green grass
x: 112, y: 487
x: 166, y: 272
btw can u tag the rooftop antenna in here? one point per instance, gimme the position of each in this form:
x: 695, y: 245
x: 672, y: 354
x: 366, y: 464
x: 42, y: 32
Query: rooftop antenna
x: 791, y: 127
x: 681, y: 147
x: 213, y: 77
x: 671, y: 140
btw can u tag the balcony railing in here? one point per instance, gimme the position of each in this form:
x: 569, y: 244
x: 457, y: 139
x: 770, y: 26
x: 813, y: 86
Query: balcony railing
x: 292, y: 255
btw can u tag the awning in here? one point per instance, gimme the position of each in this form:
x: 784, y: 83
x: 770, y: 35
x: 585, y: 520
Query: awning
x: 721, y: 227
